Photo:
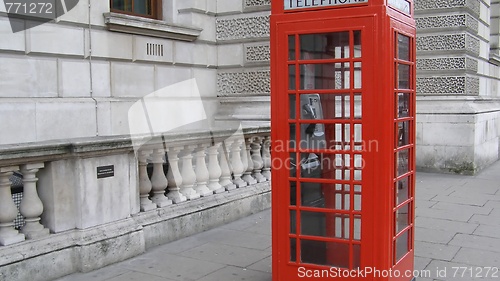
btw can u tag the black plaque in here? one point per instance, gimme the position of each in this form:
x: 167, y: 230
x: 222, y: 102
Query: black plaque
x: 105, y: 171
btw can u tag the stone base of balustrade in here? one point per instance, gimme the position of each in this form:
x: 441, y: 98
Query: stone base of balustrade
x: 248, y: 178
x: 178, y: 221
x: 148, y: 206
x: 35, y: 234
x: 229, y: 187
x: 220, y: 190
x: 240, y: 183
x: 11, y: 239
x: 60, y: 254
x: 72, y: 251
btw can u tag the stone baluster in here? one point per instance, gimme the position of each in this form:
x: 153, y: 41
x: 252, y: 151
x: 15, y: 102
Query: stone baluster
x: 244, y: 160
x: 188, y: 175
x: 257, y: 159
x: 202, y: 174
x: 159, y: 180
x: 144, y: 182
x: 266, y: 158
x: 214, y: 169
x: 247, y: 162
x: 8, y: 211
x: 31, y: 206
x: 236, y: 163
x: 225, y: 177
x: 174, y: 176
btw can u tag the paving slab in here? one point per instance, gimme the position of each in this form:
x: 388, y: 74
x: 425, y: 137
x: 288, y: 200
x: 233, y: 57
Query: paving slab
x: 424, y: 204
x: 226, y: 254
x: 484, y: 219
x: 234, y: 237
x: 181, y: 245
x: 433, y: 235
x: 237, y: 274
x: 482, y: 186
x: 260, y: 220
x: 462, y: 199
x: 472, y: 210
x: 421, y: 263
x: 496, y: 208
x: 264, y: 265
x: 445, y: 224
x: 488, y: 231
x: 101, y: 274
x: 476, y: 242
x: 138, y: 276
x: 477, y: 257
x: 173, y: 267
x: 436, y: 251
x: 461, y: 216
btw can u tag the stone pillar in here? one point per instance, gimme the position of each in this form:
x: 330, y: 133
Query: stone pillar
x: 246, y: 157
x: 144, y: 182
x: 266, y: 158
x: 236, y: 163
x: 159, y: 180
x: 214, y: 169
x: 495, y: 32
x: 225, y: 177
x: 31, y: 206
x: 8, y: 211
x: 188, y: 175
x: 458, y: 110
x: 257, y: 159
x: 202, y: 174
x: 243, y: 77
x: 174, y: 176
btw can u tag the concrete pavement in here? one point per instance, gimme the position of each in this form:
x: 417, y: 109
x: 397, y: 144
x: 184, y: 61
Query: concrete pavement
x: 457, y: 238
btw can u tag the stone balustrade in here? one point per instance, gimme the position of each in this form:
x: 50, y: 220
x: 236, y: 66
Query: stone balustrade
x: 201, y: 166
x: 31, y: 206
x: 61, y: 191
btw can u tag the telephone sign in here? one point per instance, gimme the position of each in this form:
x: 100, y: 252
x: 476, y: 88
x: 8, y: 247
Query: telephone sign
x: 298, y: 4
x: 343, y: 123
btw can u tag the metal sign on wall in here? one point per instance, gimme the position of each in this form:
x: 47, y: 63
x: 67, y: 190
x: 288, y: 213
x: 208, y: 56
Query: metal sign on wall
x: 301, y: 4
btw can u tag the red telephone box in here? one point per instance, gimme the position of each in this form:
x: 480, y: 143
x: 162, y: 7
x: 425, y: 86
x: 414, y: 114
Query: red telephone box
x: 343, y: 132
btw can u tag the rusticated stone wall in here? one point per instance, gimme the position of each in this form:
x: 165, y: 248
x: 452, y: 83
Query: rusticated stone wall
x: 458, y: 109
x: 243, y: 77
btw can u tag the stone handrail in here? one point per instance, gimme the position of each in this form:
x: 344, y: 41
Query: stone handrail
x: 200, y: 163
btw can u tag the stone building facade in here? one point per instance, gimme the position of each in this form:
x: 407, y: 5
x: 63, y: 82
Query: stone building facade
x: 458, y: 84
x: 89, y: 63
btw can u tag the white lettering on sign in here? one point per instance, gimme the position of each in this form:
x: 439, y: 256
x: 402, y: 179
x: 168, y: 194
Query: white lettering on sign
x: 299, y: 4
x: 402, y: 5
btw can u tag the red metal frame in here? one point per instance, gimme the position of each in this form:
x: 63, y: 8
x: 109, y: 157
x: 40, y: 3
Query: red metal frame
x: 380, y: 25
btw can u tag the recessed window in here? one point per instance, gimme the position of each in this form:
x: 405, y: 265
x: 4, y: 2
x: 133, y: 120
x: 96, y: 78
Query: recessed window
x: 142, y: 8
